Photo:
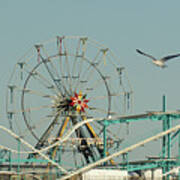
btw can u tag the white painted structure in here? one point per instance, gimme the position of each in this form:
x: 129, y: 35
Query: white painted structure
x: 153, y: 174
x: 105, y: 174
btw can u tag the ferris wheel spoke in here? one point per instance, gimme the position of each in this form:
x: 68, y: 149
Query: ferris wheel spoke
x: 93, y: 86
x: 100, y: 110
x: 98, y: 82
x: 26, y: 119
x: 93, y: 62
x: 61, y: 79
x: 79, y: 75
x: 65, y: 54
x: 47, y: 132
x: 53, y: 69
x: 42, y: 80
x: 56, y: 81
x: 62, y: 74
x: 36, y: 125
x: 35, y: 74
x: 90, y: 73
x: 75, y: 59
x: 67, y: 67
x: 83, y: 43
x: 82, y: 59
x: 33, y: 92
x: 86, y: 71
x: 33, y: 109
x: 105, y: 96
x: 79, y: 81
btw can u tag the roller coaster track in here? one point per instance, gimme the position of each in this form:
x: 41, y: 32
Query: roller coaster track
x: 32, y: 148
x: 128, y: 149
x: 70, y: 132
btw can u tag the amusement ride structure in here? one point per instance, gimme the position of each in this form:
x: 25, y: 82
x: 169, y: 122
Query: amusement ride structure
x: 68, y: 102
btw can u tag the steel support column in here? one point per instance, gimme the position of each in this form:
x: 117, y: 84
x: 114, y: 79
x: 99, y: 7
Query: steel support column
x: 19, y: 157
x: 10, y: 160
x: 166, y: 144
x: 179, y: 155
x: 164, y: 128
x: 105, y: 138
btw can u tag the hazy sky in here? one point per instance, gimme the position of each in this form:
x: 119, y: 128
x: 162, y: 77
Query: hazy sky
x: 122, y: 25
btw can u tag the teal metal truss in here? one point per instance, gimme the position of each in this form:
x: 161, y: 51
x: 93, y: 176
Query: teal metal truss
x: 165, y: 161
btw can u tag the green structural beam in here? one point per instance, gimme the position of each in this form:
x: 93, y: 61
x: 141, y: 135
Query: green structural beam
x: 154, y: 116
x: 3, y: 153
x: 152, y: 165
x: 179, y: 155
x: 105, y: 139
x: 166, y: 117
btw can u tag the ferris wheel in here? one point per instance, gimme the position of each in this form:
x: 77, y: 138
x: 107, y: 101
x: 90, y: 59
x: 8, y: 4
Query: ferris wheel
x: 61, y: 82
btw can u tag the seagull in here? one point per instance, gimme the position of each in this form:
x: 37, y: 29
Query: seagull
x: 158, y: 62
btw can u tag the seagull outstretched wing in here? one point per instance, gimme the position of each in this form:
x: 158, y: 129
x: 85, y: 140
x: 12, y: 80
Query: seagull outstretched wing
x: 140, y: 52
x: 169, y: 57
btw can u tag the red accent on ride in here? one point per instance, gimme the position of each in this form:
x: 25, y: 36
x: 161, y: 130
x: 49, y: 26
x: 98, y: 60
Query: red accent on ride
x: 76, y: 95
x: 79, y: 102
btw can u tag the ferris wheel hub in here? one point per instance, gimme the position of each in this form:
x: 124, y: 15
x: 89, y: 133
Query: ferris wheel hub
x: 79, y: 102
x: 76, y: 103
